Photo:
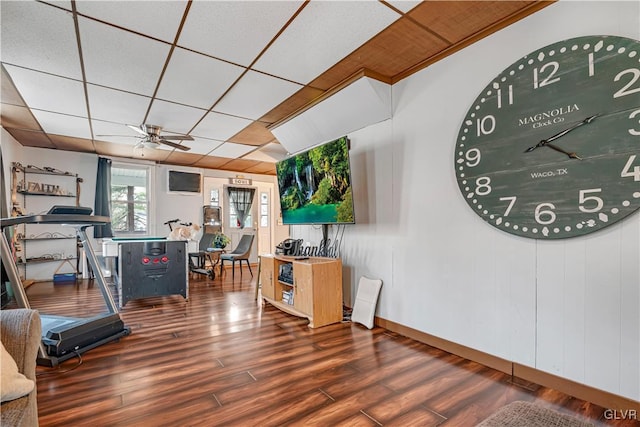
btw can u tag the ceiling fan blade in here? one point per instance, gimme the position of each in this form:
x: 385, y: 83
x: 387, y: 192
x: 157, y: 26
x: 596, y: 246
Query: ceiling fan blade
x: 139, y: 129
x: 122, y: 136
x: 177, y: 137
x: 174, y: 145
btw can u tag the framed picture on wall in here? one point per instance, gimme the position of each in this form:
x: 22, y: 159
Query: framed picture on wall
x: 215, y: 197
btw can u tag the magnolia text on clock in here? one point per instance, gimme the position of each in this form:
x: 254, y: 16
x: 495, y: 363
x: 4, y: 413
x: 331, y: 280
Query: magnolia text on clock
x: 551, y: 116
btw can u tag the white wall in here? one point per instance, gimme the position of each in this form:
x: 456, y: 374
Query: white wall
x: 567, y: 307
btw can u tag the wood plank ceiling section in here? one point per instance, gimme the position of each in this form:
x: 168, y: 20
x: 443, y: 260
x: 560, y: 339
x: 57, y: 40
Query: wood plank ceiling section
x: 223, y: 72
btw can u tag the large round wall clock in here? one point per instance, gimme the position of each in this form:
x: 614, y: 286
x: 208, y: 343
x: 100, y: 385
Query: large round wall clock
x: 550, y: 148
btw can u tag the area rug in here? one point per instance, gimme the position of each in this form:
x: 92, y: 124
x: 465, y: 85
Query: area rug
x: 526, y: 414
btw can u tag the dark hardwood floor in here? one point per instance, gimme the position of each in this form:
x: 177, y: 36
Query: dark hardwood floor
x: 223, y: 359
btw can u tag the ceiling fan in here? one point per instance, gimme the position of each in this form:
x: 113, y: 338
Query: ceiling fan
x: 151, y: 137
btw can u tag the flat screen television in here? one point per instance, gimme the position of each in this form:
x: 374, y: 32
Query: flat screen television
x: 315, y: 185
x: 184, y: 182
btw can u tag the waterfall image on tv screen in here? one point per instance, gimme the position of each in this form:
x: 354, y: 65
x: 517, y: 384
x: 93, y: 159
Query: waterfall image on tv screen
x: 315, y: 186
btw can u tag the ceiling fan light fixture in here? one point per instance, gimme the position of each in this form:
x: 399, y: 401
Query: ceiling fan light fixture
x: 143, y: 146
x: 150, y: 144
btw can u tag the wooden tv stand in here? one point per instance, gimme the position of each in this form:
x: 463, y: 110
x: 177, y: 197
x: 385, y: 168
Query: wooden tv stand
x: 314, y: 288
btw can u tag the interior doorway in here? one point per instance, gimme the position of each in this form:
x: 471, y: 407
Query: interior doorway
x: 241, y: 216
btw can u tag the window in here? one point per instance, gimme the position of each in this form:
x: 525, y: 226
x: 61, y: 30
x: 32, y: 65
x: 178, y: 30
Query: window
x: 233, y: 218
x: 129, y: 199
x: 240, y: 201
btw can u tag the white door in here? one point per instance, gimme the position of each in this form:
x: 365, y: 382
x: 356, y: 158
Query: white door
x: 265, y: 219
x: 233, y: 228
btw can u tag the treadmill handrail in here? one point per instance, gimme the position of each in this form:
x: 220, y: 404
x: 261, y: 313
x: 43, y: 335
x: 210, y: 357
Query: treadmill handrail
x: 56, y: 219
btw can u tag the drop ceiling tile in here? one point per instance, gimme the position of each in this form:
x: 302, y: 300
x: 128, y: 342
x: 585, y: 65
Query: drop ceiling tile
x: 47, y: 92
x: 231, y: 150
x: 114, y: 132
x: 241, y: 165
x: 211, y: 162
x: 120, y: 59
x: 159, y: 19
x: 404, y: 5
x: 298, y: 100
x: 30, y: 138
x: 254, y: 134
x: 263, y: 168
x: 195, y: 79
x: 256, y: 94
x: 117, y: 106
x: 41, y: 37
x: 117, y: 150
x: 60, y: 124
x: 220, y: 126
x: 182, y: 158
x: 202, y: 145
x: 16, y: 116
x: 269, y: 153
x: 173, y: 118
x: 9, y: 94
x: 323, y: 34
x: 69, y: 143
x: 236, y: 31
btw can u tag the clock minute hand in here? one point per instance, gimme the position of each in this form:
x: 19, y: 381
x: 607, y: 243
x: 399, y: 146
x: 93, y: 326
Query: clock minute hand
x: 577, y: 125
x: 563, y: 133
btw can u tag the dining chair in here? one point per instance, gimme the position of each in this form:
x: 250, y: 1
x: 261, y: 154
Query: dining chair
x: 240, y: 253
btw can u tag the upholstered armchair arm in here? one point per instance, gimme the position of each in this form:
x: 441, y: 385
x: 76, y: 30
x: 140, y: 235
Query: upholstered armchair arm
x: 20, y: 331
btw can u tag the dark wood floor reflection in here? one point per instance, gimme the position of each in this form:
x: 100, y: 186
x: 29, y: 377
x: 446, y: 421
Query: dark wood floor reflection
x: 223, y: 359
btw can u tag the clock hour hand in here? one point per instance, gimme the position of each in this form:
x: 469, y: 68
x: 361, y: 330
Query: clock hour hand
x: 560, y: 150
x: 560, y: 134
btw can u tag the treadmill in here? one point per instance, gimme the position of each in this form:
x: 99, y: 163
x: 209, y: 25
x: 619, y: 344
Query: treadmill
x: 65, y: 337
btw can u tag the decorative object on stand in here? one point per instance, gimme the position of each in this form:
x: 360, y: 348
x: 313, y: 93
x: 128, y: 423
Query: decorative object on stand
x: 220, y: 240
x: 549, y: 149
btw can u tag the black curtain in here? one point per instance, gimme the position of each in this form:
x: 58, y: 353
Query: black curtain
x: 103, y: 197
x: 242, y: 198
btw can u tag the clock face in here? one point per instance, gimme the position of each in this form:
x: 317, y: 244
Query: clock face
x: 551, y: 147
